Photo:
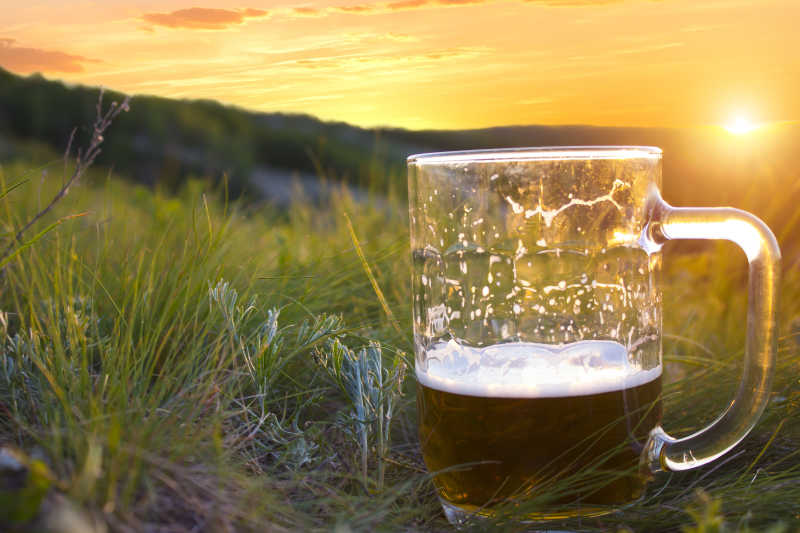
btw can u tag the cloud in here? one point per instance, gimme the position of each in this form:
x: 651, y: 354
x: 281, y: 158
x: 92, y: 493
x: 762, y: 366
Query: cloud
x: 219, y: 19
x: 307, y: 12
x: 201, y: 18
x: 573, y: 3
x: 399, y: 5
x: 315, y: 98
x: 358, y: 62
x: 450, y: 53
x: 360, y: 37
x: 358, y: 9
x: 401, y: 37
x: 649, y: 48
x: 23, y: 59
x: 460, y: 2
x: 407, y: 5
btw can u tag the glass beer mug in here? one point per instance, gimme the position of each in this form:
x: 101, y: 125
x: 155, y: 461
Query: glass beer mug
x: 537, y: 326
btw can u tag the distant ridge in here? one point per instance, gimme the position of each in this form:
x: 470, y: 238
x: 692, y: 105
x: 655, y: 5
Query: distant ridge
x: 163, y: 136
x: 165, y: 140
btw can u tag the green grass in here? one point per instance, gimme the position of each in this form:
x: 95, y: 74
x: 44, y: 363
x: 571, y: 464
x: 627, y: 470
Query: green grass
x: 184, y: 362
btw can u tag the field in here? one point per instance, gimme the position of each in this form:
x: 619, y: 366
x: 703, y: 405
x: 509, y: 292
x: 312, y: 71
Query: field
x: 175, y: 359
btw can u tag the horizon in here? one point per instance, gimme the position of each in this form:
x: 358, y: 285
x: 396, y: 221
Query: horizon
x: 730, y: 129
x: 433, y: 64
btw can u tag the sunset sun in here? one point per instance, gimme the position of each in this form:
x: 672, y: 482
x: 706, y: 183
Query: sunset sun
x: 739, y: 125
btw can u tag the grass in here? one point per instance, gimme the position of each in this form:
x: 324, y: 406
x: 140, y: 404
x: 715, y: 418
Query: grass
x: 179, y: 362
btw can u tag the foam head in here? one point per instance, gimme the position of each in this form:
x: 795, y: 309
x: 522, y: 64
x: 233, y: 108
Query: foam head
x: 532, y: 370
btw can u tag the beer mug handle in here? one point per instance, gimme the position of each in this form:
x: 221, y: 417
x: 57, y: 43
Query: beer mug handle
x: 665, y: 453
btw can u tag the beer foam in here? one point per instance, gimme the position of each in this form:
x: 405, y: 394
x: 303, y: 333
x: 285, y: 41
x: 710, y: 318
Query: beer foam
x: 532, y: 370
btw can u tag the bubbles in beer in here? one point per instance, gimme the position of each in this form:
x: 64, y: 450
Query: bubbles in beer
x: 532, y: 370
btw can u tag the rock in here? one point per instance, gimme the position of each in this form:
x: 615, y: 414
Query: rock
x: 24, y: 482
x: 28, y: 503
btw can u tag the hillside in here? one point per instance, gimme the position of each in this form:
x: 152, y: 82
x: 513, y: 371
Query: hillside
x: 165, y: 141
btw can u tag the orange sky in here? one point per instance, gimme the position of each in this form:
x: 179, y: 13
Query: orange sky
x: 430, y: 63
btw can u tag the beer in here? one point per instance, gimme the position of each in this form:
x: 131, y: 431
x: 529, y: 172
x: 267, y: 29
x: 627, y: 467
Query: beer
x: 512, y: 420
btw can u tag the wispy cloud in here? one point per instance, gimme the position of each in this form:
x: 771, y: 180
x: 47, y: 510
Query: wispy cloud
x: 573, y: 3
x: 315, y: 98
x: 359, y: 61
x: 219, y: 19
x: 200, y: 18
x: 24, y: 59
x: 377, y: 37
x: 401, y: 5
x: 308, y: 12
x: 400, y: 37
x: 408, y: 5
x: 649, y: 48
x: 357, y: 9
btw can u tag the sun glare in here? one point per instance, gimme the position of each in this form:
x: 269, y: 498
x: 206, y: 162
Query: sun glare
x: 740, y: 125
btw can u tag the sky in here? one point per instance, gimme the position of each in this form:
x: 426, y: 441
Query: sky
x: 441, y: 64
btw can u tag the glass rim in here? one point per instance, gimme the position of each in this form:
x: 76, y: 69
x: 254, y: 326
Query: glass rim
x: 537, y: 153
